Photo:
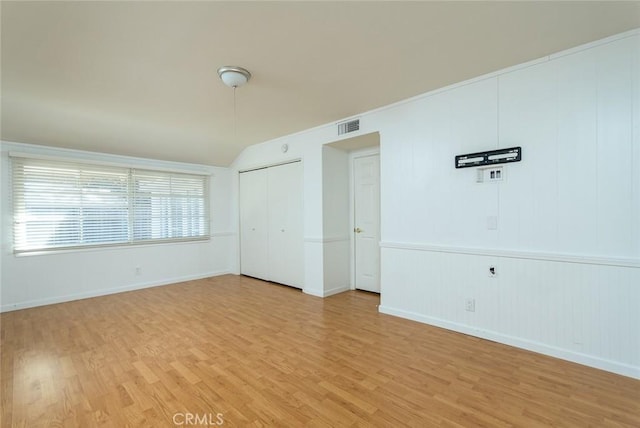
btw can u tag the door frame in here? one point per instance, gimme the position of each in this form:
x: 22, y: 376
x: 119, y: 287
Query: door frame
x: 363, y: 153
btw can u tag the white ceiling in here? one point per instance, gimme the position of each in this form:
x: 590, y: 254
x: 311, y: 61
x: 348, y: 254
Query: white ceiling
x: 139, y: 78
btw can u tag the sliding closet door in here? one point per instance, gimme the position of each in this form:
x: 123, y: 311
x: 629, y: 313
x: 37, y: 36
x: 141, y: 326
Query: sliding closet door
x: 254, y: 235
x: 286, y: 247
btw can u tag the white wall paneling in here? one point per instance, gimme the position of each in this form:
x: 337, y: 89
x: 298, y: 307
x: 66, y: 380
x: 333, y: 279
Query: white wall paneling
x: 575, y: 114
x: 572, y: 199
x: 418, y: 173
x: 271, y: 224
x: 567, y: 237
x: 583, y: 312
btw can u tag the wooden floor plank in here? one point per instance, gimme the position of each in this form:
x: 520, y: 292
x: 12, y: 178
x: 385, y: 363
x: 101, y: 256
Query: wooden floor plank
x: 266, y: 355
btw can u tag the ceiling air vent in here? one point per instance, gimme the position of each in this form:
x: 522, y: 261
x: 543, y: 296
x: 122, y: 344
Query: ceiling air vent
x: 350, y: 126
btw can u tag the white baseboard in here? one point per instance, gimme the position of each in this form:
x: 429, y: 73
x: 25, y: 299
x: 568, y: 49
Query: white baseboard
x: 103, y: 292
x: 326, y: 293
x: 541, y: 348
x: 335, y: 290
x: 311, y: 292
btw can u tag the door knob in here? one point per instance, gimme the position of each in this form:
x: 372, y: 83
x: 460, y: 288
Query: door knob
x: 357, y: 230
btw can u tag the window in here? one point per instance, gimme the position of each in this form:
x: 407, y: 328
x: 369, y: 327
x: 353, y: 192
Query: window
x: 168, y: 206
x: 60, y: 205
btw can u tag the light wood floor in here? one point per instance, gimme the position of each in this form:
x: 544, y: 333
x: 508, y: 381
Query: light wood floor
x: 267, y: 355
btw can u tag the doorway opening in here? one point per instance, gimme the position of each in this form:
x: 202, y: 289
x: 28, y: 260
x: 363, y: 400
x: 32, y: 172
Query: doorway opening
x: 351, y: 213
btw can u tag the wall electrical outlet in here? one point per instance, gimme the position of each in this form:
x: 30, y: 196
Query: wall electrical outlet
x: 470, y: 305
x: 491, y: 174
x: 492, y: 222
x: 495, y: 174
x: 138, y: 270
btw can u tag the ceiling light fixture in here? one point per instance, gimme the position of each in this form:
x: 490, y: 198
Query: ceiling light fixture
x: 234, y: 76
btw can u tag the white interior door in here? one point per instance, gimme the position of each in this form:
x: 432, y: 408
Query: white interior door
x: 254, y: 235
x: 286, y: 245
x: 366, y: 179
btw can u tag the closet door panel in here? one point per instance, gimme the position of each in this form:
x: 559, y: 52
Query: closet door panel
x: 286, y: 247
x: 254, y: 234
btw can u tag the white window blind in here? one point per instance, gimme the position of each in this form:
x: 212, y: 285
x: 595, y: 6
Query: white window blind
x: 62, y: 205
x: 169, y: 206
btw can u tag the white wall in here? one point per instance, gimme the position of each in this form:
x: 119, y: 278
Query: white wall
x: 34, y: 280
x: 335, y: 220
x: 567, y: 245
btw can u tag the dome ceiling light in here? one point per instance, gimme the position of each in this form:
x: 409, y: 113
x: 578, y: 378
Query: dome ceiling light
x: 234, y: 76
